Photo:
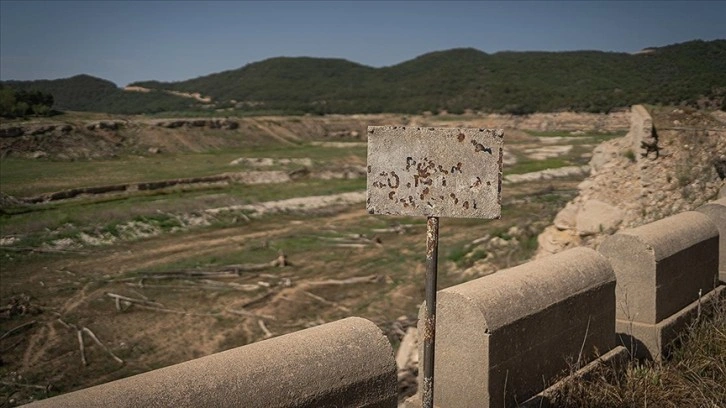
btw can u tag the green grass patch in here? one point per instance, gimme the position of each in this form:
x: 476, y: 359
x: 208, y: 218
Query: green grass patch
x: 26, y: 177
x: 528, y: 165
x: 104, y: 215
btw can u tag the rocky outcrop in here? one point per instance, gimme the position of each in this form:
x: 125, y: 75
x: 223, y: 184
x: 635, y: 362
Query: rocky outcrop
x: 33, y: 130
x: 656, y: 170
x: 548, y: 174
x: 225, y: 124
x: 105, y: 125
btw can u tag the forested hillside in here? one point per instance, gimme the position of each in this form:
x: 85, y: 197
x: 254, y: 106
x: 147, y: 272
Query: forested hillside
x: 692, y: 73
x: 90, y: 94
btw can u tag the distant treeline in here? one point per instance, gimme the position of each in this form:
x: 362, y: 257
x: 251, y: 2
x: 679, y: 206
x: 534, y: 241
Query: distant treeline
x: 20, y: 103
x: 90, y: 94
x: 692, y: 73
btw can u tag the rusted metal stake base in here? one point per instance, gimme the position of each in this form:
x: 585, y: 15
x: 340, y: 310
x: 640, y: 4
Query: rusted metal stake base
x: 429, y: 323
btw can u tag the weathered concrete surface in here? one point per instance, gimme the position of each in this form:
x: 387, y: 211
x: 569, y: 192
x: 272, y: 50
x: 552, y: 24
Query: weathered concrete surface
x: 340, y: 364
x: 663, y: 266
x: 716, y: 211
x: 497, y: 337
x: 434, y: 172
x: 654, y: 341
x: 644, y: 139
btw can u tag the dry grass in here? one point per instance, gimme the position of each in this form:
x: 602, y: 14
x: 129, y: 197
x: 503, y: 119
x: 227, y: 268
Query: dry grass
x: 693, y: 376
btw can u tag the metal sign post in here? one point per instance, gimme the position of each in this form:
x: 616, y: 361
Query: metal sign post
x: 434, y: 172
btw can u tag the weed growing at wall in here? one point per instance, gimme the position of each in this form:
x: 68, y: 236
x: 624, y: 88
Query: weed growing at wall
x: 693, y: 376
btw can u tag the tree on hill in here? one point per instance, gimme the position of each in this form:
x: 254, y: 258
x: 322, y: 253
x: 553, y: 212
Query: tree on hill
x: 23, y: 103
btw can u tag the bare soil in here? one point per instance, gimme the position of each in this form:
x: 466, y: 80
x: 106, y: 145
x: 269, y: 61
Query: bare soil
x: 202, y: 290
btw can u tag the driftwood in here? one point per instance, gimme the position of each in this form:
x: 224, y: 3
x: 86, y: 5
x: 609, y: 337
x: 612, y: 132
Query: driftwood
x: 63, y: 323
x: 182, y: 275
x: 181, y: 312
x: 150, y: 305
x: 229, y: 271
x: 349, y: 281
x: 18, y: 328
x: 79, y: 334
x: 45, y: 388
x: 326, y: 301
x: 103, y: 346
x: 399, y: 228
x: 81, y: 345
x: 279, y: 262
x: 258, y: 299
x: 267, y: 332
x: 352, y: 241
x: 247, y: 313
x: 118, y: 298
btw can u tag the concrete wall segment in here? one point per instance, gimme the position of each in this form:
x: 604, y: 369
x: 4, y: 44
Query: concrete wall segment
x: 716, y: 212
x: 672, y: 234
x: 663, y: 266
x: 499, y: 335
x: 634, y: 290
x: 344, y: 363
x: 514, y: 293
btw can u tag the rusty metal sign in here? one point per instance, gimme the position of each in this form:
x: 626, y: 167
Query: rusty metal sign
x: 434, y: 172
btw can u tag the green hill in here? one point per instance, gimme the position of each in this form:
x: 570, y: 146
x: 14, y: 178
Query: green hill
x: 90, y: 94
x: 455, y: 80
x: 517, y: 82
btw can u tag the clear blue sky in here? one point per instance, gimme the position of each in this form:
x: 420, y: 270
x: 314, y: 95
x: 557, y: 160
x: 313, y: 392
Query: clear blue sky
x: 130, y: 41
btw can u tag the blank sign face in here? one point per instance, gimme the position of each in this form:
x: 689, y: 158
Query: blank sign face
x: 435, y: 172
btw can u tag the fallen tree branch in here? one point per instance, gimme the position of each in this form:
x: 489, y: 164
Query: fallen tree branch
x: 351, y: 245
x: 229, y: 271
x: 258, y: 299
x: 247, y: 313
x: 12, y: 346
x: 45, y: 388
x: 132, y: 300
x: 183, y: 275
x: 181, y: 312
x: 81, y: 346
x: 264, y: 328
x: 280, y: 261
x: 79, y: 334
x: 325, y: 301
x: 18, y: 328
x: 349, y: 281
x: 103, y: 346
x: 62, y: 322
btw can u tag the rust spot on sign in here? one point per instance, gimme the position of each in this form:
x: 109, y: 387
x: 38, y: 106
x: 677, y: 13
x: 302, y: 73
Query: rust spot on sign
x: 478, y: 147
x: 397, y: 180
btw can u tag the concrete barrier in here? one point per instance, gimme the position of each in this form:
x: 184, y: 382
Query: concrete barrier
x: 663, y: 270
x: 501, y: 337
x: 716, y: 211
x: 642, y: 135
x: 341, y: 364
